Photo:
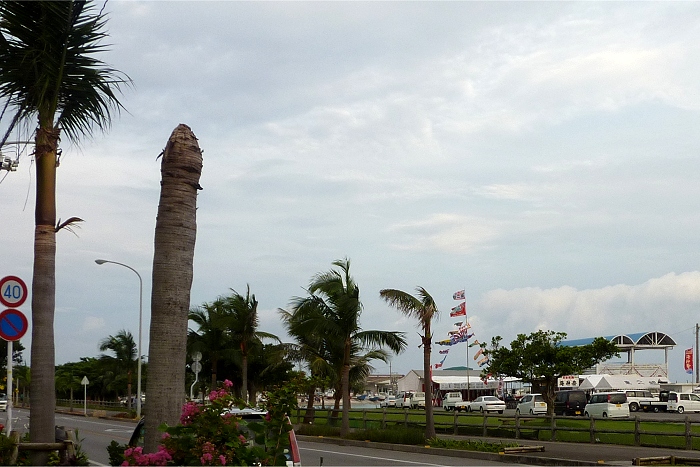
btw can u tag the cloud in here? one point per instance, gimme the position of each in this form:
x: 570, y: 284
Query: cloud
x: 93, y: 323
x: 593, y: 312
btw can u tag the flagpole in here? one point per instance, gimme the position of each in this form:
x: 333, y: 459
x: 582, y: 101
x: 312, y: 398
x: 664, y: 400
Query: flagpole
x: 466, y: 322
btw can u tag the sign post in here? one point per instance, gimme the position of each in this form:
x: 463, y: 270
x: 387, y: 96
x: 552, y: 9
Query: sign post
x: 13, y: 325
x: 85, y: 383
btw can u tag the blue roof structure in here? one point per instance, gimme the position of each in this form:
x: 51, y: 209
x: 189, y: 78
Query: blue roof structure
x: 639, y: 340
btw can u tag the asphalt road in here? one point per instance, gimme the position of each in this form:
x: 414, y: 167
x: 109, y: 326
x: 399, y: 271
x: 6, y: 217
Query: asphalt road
x: 98, y: 433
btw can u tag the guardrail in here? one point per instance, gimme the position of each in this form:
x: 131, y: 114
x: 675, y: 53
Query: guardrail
x: 674, y: 433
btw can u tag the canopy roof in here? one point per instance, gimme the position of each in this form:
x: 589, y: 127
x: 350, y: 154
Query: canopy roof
x: 640, y: 340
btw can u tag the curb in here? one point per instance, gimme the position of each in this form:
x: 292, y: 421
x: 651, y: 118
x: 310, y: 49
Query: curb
x: 490, y: 456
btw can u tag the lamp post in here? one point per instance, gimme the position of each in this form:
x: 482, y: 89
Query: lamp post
x: 138, y: 349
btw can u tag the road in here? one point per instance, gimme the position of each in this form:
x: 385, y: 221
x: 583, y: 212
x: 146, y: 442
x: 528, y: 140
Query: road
x: 96, y: 434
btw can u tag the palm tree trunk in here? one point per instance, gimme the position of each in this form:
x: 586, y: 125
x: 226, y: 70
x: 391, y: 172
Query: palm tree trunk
x: 345, y: 387
x: 429, y: 421
x: 176, y: 228
x: 43, y: 386
x: 244, y: 378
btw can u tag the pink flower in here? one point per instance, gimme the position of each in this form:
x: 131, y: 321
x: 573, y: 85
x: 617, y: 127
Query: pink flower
x: 228, y: 383
x: 222, y: 459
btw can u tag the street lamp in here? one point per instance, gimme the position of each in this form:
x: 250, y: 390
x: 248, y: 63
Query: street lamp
x: 138, y: 383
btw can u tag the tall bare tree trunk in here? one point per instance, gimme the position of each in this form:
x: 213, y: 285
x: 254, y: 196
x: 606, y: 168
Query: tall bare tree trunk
x: 428, y: 389
x: 176, y: 229
x: 43, y: 387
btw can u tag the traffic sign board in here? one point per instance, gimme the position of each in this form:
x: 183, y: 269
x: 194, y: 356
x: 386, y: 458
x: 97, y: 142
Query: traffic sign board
x: 13, y: 324
x: 13, y: 291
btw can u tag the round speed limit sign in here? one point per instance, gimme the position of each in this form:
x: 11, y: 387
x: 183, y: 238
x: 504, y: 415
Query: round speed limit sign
x: 13, y: 291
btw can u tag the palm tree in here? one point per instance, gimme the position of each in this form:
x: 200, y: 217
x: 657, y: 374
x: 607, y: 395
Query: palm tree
x: 245, y: 331
x: 124, y: 359
x: 173, y: 256
x: 424, y: 309
x: 212, y: 337
x: 48, y: 71
x: 333, y: 311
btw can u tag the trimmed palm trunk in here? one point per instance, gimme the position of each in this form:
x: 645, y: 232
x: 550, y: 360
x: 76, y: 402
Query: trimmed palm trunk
x: 42, y: 386
x: 427, y: 377
x: 173, y: 256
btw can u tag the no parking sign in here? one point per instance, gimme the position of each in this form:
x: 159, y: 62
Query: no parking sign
x: 13, y: 324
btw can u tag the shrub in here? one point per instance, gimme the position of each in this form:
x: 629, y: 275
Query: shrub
x: 396, y: 435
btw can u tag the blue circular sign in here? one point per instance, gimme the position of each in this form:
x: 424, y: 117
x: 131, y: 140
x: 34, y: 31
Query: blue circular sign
x: 13, y: 324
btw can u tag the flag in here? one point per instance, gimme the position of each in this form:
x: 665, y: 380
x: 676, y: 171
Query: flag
x: 478, y: 352
x: 459, y: 295
x: 438, y: 365
x: 688, y: 364
x: 483, y: 361
x: 444, y: 342
x: 445, y: 351
x: 459, y: 310
x: 458, y: 323
x: 476, y: 342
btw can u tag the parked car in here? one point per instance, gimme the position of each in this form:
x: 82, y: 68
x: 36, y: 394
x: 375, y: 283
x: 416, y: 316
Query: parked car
x: 254, y: 415
x: 683, y: 402
x: 3, y: 402
x: 418, y: 400
x: 487, y: 404
x: 403, y: 399
x: 607, y: 405
x: 634, y: 397
x: 532, y: 404
x: 571, y: 402
x: 389, y: 401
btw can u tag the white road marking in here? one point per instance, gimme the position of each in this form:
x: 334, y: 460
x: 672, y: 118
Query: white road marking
x: 367, y: 457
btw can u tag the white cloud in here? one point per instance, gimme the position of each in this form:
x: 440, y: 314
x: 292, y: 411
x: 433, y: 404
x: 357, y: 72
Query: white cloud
x: 93, y: 323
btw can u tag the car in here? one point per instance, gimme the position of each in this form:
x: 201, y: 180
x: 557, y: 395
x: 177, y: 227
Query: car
x: 389, y: 401
x: 532, y: 404
x: 418, y: 400
x: 254, y: 415
x: 607, y: 405
x: 634, y: 397
x: 487, y: 404
x: 569, y: 402
x: 3, y: 402
x: 683, y: 402
x: 403, y: 399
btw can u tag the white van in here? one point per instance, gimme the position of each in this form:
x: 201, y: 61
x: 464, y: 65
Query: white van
x: 607, y: 404
x: 683, y: 402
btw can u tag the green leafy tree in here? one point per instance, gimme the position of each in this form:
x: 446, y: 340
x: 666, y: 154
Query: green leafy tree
x: 212, y: 337
x: 540, y: 358
x: 333, y: 311
x: 49, y: 73
x: 424, y: 309
x: 244, y: 331
x: 123, y: 362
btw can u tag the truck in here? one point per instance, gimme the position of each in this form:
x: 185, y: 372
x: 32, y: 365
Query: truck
x: 453, y: 401
x: 418, y: 400
x: 659, y: 404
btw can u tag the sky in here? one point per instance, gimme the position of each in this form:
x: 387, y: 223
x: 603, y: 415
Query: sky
x: 540, y: 155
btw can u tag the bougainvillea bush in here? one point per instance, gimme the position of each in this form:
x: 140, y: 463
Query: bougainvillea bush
x: 214, y: 433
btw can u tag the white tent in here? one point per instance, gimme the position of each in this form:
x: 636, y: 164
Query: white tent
x: 620, y: 383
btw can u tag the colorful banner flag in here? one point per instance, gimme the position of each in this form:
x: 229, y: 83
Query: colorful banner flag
x: 478, y: 353
x: 459, y: 295
x: 444, y: 342
x: 459, y: 310
x: 476, y: 342
x: 483, y: 361
x: 445, y: 351
x: 458, y: 323
x: 688, y: 364
x: 438, y: 365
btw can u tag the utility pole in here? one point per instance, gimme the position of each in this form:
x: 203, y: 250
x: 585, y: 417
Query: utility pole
x: 697, y: 357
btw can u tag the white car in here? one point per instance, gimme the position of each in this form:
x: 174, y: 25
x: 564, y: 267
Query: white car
x: 390, y: 401
x: 532, y: 404
x: 607, y: 404
x: 683, y: 402
x: 3, y: 402
x: 487, y: 404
